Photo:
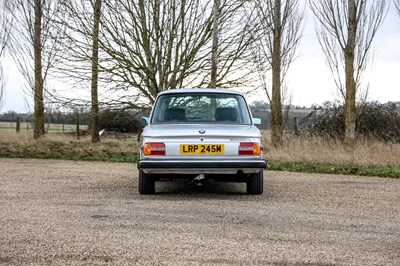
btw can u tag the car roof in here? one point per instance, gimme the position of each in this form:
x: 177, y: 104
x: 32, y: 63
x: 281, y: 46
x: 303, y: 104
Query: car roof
x: 200, y: 90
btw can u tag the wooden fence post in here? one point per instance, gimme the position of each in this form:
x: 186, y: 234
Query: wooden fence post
x: 296, y: 129
x: 18, y: 127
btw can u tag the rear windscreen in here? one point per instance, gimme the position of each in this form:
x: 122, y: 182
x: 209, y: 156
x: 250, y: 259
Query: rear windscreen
x: 201, y: 107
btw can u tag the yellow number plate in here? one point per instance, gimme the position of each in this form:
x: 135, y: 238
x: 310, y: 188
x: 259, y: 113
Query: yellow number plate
x: 202, y: 148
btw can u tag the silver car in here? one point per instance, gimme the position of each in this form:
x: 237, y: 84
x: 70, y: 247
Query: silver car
x: 201, y: 135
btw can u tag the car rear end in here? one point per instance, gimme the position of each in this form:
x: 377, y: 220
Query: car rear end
x: 215, y: 142
x: 205, y: 149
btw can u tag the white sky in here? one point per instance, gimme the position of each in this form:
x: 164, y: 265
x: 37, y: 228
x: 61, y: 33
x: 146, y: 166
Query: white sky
x: 308, y: 79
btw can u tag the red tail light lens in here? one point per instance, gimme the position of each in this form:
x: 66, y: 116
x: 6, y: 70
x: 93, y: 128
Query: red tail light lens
x: 154, y: 148
x: 249, y: 148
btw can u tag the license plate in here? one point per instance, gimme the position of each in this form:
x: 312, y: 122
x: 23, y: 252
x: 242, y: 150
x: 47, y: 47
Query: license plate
x: 202, y: 148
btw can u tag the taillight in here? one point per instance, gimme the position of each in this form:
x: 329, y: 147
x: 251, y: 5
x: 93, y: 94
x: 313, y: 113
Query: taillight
x: 154, y: 148
x: 249, y: 148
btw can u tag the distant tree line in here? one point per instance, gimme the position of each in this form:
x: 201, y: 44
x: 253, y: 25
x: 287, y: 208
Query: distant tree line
x: 56, y: 117
x: 290, y: 114
x: 121, y: 121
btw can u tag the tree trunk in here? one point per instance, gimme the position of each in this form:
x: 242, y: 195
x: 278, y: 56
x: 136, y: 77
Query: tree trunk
x: 77, y: 124
x: 276, y: 104
x: 350, y: 101
x: 38, y: 87
x: 95, y: 73
x: 214, y: 48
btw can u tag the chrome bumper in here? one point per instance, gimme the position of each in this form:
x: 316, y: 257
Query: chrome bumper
x: 159, y: 166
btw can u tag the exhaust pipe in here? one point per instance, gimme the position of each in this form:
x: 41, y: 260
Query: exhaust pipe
x: 199, y: 180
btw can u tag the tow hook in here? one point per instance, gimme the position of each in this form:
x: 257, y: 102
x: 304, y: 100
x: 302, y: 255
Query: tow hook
x: 199, y: 180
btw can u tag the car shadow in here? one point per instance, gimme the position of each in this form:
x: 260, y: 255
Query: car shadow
x: 178, y: 190
x: 182, y: 187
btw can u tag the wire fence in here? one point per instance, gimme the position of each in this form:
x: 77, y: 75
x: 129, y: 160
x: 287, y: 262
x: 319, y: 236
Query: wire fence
x: 50, y: 128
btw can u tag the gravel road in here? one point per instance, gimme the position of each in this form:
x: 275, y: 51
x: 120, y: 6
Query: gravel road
x: 89, y: 213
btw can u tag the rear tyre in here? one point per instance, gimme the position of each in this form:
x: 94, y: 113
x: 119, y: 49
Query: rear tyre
x: 146, y: 184
x: 255, y: 183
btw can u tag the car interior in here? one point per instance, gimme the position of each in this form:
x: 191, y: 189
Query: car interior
x: 174, y: 114
x: 227, y: 114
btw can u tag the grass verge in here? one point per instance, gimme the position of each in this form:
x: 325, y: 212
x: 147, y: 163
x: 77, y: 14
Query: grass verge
x: 315, y: 167
x: 74, y: 155
x: 66, y: 147
x: 299, y: 155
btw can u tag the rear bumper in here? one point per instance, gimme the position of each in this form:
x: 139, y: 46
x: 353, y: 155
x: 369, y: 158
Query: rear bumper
x: 159, y: 166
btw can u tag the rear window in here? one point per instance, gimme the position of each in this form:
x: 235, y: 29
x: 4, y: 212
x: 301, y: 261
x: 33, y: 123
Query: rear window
x: 201, y: 107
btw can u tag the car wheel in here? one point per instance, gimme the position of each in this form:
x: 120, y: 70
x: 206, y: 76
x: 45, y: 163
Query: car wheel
x: 255, y: 183
x: 146, y: 183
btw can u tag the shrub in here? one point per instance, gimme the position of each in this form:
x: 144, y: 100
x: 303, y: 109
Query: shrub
x: 381, y: 121
x: 374, y: 120
x: 119, y: 121
x: 324, y: 120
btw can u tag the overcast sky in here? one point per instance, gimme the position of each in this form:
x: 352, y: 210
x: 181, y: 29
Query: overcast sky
x: 309, y: 79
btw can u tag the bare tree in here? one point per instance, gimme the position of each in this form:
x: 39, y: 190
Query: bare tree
x: 277, y: 39
x: 345, y: 32
x: 397, y: 6
x: 33, y: 48
x: 149, y: 46
x: 153, y: 46
x: 214, y: 47
x: 6, y: 27
x: 77, y: 24
x: 95, y: 70
x: 78, y: 39
x: 38, y: 87
x: 2, y: 85
x: 79, y: 65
